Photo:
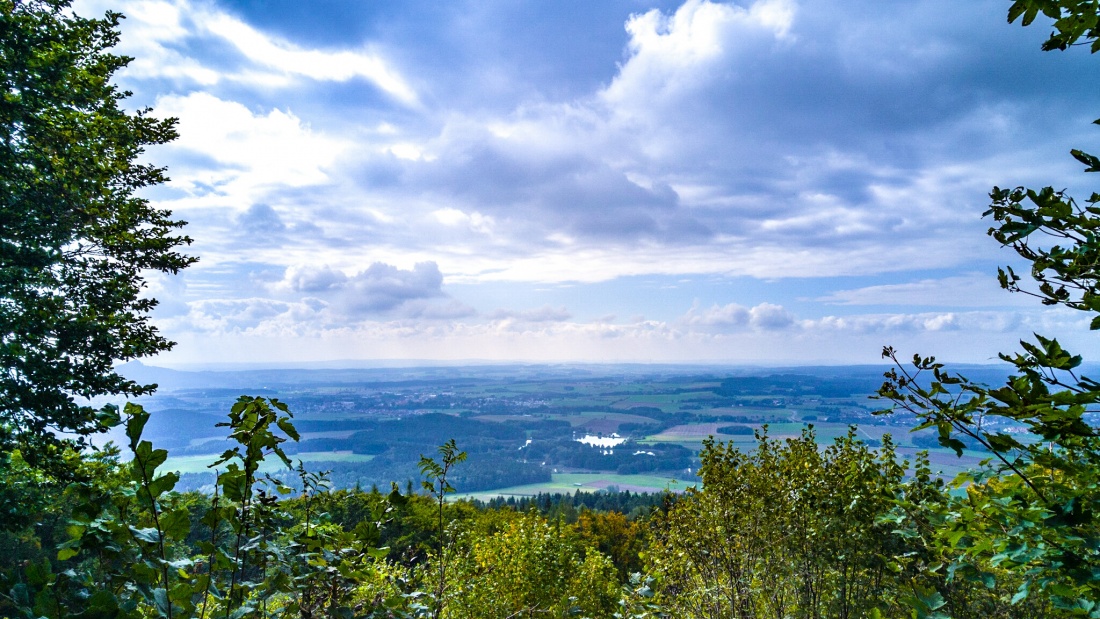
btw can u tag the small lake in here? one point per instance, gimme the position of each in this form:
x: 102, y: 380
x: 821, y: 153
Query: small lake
x: 612, y: 440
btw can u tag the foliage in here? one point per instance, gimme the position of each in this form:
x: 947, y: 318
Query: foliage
x: 129, y: 549
x: 76, y: 243
x: 530, y: 568
x: 125, y: 544
x: 637, y: 600
x: 636, y: 505
x: 618, y: 538
x: 435, y: 482
x: 1031, y: 511
x: 1073, y: 20
x: 786, y: 530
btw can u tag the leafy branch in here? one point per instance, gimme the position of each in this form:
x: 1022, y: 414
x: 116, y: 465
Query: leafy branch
x: 436, y: 483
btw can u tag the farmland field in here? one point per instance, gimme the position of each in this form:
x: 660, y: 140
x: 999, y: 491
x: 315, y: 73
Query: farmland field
x: 587, y: 482
x: 520, y: 423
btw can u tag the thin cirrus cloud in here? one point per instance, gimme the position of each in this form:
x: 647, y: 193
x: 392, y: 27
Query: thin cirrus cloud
x: 772, y: 140
x: 965, y: 290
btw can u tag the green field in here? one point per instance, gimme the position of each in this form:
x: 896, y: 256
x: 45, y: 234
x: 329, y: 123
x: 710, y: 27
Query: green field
x: 587, y: 482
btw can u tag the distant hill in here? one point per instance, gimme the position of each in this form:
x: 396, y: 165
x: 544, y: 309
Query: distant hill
x: 859, y: 377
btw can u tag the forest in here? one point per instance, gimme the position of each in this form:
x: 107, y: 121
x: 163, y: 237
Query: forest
x: 795, y: 525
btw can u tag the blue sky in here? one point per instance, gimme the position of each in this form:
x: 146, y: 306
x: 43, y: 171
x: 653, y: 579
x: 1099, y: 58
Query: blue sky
x: 758, y: 182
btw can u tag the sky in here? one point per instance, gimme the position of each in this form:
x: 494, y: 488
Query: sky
x: 768, y: 181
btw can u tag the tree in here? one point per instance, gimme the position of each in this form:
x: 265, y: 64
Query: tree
x: 435, y: 482
x: 786, y: 530
x: 75, y: 237
x: 1034, y: 509
x: 529, y: 568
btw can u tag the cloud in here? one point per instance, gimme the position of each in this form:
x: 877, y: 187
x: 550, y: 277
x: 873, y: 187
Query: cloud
x: 167, y: 39
x: 169, y: 292
x: 731, y: 315
x: 445, y: 328
x: 1000, y: 322
x: 474, y: 221
x: 771, y: 139
x: 383, y: 287
x: 310, y: 279
x: 967, y: 290
x: 673, y: 55
x: 770, y: 317
x: 764, y: 317
x: 235, y: 315
x: 733, y: 140
x: 379, y: 288
x: 226, y: 150
x: 437, y: 309
x: 770, y: 144
x: 541, y: 314
x: 261, y: 219
x: 284, y: 59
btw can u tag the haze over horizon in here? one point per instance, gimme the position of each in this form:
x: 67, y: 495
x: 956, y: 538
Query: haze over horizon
x: 771, y: 182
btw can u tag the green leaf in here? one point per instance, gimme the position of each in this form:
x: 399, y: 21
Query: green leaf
x: 150, y: 535
x: 1092, y: 162
x: 176, y: 523
x: 135, y: 423
x: 1016, y: 10
x: 146, y: 459
x: 66, y: 553
x: 162, y: 484
x: 1021, y: 593
x: 164, y: 605
x: 288, y: 428
x: 931, y: 599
